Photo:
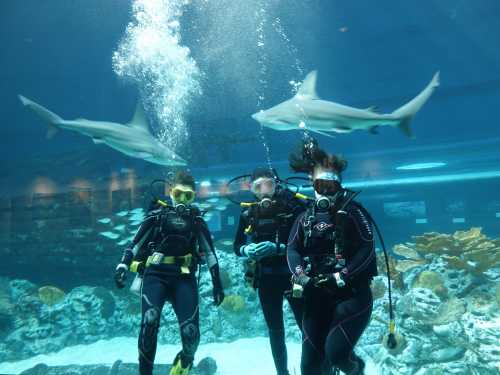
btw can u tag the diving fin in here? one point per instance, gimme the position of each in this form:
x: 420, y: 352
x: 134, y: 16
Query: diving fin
x: 178, y: 368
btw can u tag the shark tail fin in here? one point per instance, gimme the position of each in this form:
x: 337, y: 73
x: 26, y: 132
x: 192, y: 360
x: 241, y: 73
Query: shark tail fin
x: 406, y: 112
x: 51, y: 118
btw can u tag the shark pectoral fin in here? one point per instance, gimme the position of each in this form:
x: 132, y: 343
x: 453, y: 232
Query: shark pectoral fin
x: 97, y: 141
x: 51, y: 131
x: 139, y: 120
x: 373, y: 129
x: 342, y: 129
x: 307, y: 89
x: 322, y: 133
x: 143, y: 155
x: 372, y: 108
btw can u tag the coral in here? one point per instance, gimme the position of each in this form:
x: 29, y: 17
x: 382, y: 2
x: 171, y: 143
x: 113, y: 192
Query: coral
x: 133, y: 306
x: 465, y: 250
x: 50, y: 295
x: 234, y: 304
x: 6, y: 321
x: 433, y: 281
x: 108, y: 304
x: 497, y: 294
x: 421, y: 304
x: 378, y: 288
x: 450, y: 311
x: 406, y: 251
x: 408, y: 264
x: 433, y: 242
x: 225, y: 278
x: 396, y: 276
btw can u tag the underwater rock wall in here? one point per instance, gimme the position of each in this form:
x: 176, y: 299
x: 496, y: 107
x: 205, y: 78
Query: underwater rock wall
x: 446, y: 293
x: 446, y: 296
x: 35, y: 319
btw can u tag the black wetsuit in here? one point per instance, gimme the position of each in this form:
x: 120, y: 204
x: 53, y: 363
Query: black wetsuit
x: 334, y: 317
x: 172, y: 234
x: 273, y: 278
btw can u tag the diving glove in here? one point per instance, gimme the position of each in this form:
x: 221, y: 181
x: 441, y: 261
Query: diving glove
x: 218, y: 296
x: 249, y: 250
x: 303, y: 280
x: 121, y: 275
x: 267, y: 248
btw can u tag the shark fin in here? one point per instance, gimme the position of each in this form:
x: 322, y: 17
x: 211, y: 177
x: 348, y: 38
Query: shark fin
x: 139, y: 120
x: 51, y: 131
x: 98, y: 141
x: 404, y: 126
x: 308, y: 87
x: 143, y: 155
x: 406, y: 112
x: 322, y: 133
x: 342, y: 129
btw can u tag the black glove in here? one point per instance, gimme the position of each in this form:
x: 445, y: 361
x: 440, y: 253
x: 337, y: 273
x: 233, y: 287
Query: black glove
x: 217, y: 283
x: 327, y: 281
x: 120, y: 276
x: 218, y: 296
x: 303, y: 280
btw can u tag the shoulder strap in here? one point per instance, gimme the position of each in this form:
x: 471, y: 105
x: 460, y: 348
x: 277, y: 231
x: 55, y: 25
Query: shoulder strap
x: 309, y: 218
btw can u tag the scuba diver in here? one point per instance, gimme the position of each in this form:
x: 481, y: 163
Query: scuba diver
x: 267, y: 223
x: 166, y: 250
x: 331, y: 254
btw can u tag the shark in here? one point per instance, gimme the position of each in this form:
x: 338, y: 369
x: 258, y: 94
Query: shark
x: 133, y: 139
x: 307, y: 111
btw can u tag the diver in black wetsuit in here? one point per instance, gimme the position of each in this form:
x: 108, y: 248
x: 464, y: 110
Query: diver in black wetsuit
x: 332, y: 256
x: 169, y: 245
x: 267, y: 224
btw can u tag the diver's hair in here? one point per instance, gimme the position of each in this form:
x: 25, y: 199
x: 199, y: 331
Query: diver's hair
x: 263, y: 172
x: 309, y: 155
x: 184, y: 178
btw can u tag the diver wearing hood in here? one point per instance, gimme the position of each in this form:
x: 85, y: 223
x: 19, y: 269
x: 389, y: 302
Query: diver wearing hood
x: 332, y: 256
x: 261, y: 238
x: 166, y: 250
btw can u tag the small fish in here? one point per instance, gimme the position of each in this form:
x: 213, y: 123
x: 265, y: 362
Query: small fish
x: 110, y: 235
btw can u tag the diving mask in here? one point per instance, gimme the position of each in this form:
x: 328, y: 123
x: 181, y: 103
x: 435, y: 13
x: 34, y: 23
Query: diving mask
x: 182, y: 194
x: 327, y: 183
x: 263, y: 187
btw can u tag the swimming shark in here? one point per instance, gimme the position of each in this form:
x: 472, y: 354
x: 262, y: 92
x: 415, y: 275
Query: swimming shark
x: 133, y: 139
x: 307, y: 111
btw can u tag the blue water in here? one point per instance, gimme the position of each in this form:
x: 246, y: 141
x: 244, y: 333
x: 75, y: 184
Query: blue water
x: 214, y: 63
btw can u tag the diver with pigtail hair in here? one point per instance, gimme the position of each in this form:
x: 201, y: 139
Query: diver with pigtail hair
x: 169, y: 245
x: 331, y: 254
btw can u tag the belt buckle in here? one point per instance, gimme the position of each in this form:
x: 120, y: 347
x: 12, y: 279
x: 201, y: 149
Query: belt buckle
x: 156, y: 258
